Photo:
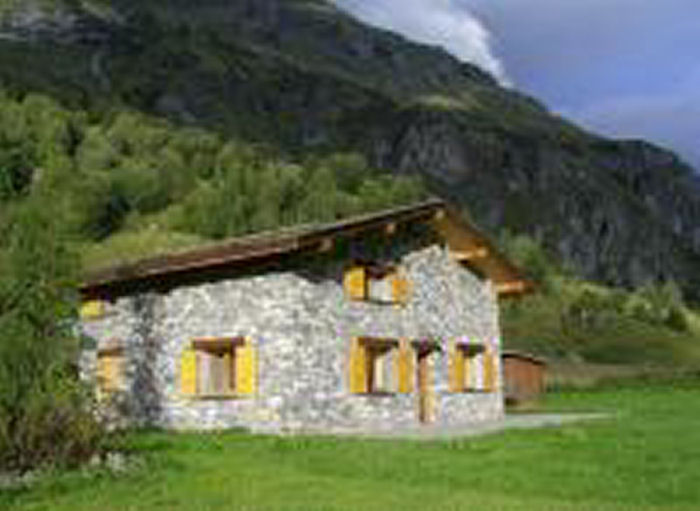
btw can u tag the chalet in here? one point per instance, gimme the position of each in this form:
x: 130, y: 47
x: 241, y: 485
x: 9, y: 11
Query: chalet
x: 381, y: 321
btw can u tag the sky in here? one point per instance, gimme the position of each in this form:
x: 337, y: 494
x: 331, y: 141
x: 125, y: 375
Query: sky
x: 622, y: 68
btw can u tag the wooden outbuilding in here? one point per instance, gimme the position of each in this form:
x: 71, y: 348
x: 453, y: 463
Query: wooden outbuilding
x: 523, y: 377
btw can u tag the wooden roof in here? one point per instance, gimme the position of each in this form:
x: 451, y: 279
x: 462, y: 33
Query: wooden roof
x: 523, y: 356
x: 466, y: 243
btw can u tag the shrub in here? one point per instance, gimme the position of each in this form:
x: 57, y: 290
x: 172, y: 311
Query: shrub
x: 531, y: 257
x: 56, y: 426
x: 677, y: 319
x: 45, y: 413
x: 660, y: 305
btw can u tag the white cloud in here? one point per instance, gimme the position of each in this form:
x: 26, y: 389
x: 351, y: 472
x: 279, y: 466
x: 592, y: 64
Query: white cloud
x: 627, y: 68
x: 436, y: 22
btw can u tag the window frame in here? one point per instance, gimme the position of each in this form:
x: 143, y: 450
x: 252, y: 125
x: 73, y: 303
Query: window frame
x: 216, y: 345
x: 374, y: 347
x: 378, y: 356
x: 117, y: 355
x: 467, y: 354
x: 376, y: 272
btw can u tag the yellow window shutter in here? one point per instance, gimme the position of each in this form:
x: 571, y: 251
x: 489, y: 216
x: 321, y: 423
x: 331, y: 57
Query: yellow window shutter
x: 101, y: 376
x: 467, y: 371
x: 103, y: 373
x: 92, y: 309
x: 456, y: 368
x: 246, y: 368
x: 358, y: 367
x: 114, y: 373
x: 109, y: 374
x: 405, y: 366
x: 230, y: 372
x: 400, y: 289
x: 253, y: 349
x: 188, y: 372
x: 460, y: 357
x: 489, y: 370
x: 355, y: 283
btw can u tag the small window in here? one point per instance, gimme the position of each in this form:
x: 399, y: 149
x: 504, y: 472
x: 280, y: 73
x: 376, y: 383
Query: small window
x: 381, y: 288
x: 381, y: 366
x: 219, y: 367
x: 380, y: 370
x: 110, y: 372
x: 472, y: 368
x: 377, y: 283
x: 216, y: 370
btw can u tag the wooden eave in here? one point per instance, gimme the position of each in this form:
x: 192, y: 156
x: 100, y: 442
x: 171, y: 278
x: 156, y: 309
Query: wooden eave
x: 523, y: 356
x: 470, y: 247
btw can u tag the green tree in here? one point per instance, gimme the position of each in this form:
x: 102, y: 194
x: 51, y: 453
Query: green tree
x: 319, y: 204
x: 660, y: 304
x: 527, y: 253
x: 45, y: 413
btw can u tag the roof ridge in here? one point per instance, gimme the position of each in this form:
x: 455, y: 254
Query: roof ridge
x: 286, y: 238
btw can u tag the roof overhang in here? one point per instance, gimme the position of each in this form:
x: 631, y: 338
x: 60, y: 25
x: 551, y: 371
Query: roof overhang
x: 523, y: 356
x: 466, y: 244
x: 474, y: 249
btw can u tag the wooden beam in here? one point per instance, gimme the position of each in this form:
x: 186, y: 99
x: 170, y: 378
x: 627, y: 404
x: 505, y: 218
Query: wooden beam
x: 217, y: 342
x: 471, y: 255
x: 326, y: 245
x: 515, y: 286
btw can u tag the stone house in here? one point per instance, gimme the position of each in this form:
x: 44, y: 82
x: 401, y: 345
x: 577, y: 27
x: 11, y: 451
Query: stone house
x: 383, y: 321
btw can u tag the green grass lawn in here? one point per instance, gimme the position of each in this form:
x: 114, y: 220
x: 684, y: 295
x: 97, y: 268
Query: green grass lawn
x: 646, y: 458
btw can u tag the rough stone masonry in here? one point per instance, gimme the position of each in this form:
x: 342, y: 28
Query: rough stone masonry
x: 302, y: 323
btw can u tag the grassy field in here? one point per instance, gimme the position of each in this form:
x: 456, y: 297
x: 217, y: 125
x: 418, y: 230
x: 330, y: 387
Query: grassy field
x: 584, y: 322
x: 646, y: 458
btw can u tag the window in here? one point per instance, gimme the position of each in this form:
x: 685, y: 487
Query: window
x: 472, y: 368
x: 219, y: 367
x: 379, y: 369
x: 377, y: 283
x: 381, y: 366
x: 110, y: 372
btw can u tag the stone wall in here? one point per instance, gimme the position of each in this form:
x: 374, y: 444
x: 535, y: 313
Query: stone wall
x: 303, y: 324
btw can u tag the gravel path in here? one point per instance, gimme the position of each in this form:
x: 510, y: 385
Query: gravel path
x: 437, y: 432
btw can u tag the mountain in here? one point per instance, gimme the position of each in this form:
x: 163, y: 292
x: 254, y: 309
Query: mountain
x: 302, y: 77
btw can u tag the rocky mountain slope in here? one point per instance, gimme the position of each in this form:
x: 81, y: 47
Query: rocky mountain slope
x: 302, y: 76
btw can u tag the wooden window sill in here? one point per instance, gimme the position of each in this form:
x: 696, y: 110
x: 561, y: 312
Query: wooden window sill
x: 218, y: 397
x: 109, y: 394
x: 375, y: 301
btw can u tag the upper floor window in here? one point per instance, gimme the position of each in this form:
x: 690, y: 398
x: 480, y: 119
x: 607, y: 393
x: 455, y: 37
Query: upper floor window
x: 377, y: 283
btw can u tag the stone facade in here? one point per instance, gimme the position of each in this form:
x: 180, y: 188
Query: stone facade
x: 302, y: 323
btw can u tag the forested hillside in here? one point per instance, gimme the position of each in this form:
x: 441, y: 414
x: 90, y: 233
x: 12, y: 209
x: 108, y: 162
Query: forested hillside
x: 307, y: 81
x: 127, y: 185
